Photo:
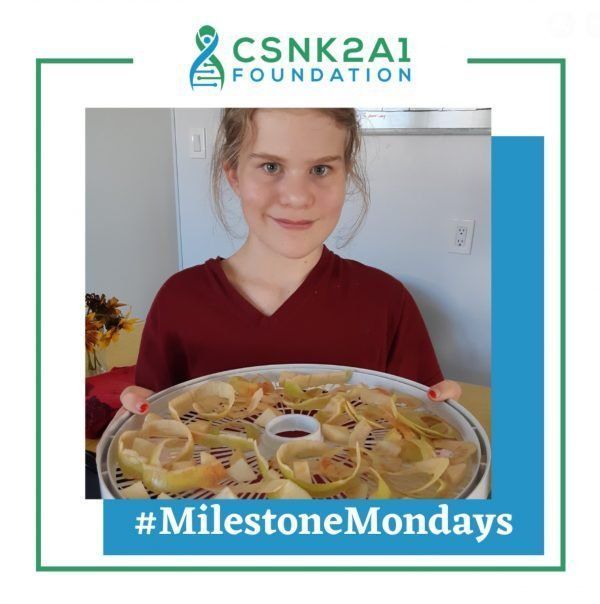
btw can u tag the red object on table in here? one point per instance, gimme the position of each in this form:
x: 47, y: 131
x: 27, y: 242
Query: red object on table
x: 102, y: 398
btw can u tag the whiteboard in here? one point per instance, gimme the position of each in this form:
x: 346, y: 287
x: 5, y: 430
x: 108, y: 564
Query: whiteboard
x: 425, y: 121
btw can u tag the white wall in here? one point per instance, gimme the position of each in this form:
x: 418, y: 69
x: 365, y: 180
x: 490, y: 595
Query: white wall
x: 201, y: 235
x: 131, y: 228
x: 419, y: 183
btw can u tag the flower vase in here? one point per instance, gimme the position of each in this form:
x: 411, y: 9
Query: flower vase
x: 94, y: 364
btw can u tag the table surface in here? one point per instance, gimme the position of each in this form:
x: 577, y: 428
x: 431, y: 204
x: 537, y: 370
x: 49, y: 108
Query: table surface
x: 475, y: 398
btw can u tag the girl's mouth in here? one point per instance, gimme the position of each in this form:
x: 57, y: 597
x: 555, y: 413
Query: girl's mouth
x: 291, y: 224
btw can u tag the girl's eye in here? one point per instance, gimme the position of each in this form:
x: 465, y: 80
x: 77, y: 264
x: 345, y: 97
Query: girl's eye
x: 320, y: 170
x: 271, y: 168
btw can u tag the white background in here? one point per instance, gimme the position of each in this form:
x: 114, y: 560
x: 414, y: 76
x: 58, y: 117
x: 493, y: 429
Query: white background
x: 443, y: 35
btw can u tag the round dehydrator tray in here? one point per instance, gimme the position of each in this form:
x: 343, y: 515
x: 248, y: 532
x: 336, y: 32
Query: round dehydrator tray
x: 112, y: 480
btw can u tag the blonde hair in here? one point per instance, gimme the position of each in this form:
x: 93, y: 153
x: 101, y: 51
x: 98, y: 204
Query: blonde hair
x: 236, y: 125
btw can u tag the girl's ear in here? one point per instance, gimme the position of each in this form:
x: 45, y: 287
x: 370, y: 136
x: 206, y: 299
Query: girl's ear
x: 232, y: 177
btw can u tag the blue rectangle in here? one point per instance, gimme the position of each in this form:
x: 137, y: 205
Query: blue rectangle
x: 517, y: 418
x: 331, y: 527
x: 517, y: 437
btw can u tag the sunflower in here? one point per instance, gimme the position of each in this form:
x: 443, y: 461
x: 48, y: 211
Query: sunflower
x: 112, y: 306
x: 127, y: 323
x: 102, y: 307
x: 92, y: 331
x: 104, y: 320
x: 108, y: 337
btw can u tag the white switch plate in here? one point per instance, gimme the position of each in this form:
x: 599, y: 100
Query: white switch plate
x: 461, y: 236
x: 198, y: 143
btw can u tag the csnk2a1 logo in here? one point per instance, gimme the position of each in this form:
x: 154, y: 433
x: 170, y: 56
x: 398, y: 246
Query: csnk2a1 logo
x: 301, y: 60
x: 207, y: 69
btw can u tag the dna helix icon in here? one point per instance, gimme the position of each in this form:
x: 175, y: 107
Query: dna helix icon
x: 207, y: 69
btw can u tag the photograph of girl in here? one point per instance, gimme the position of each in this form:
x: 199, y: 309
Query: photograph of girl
x: 285, y: 297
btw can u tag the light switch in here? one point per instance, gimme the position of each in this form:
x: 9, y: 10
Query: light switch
x: 198, y: 143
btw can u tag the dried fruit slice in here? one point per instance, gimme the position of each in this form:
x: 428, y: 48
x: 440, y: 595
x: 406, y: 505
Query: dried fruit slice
x: 357, y: 489
x: 135, y: 491
x: 309, y: 404
x: 293, y: 391
x: 439, y: 426
x: 454, y: 474
x: 387, y: 448
x: 417, y: 477
x: 200, y: 426
x: 225, y: 493
x: 263, y: 464
x: 224, y: 439
x: 301, y: 470
x: 461, y: 450
x: 413, y: 421
x: 176, y: 481
x: 130, y: 460
x: 243, y: 386
x: 179, y: 465
x: 244, y: 408
x: 308, y: 380
x: 289, y: 490
x: 206, y: 458
x: 291, y: 451
x: 360, y: 433
x: 265, y: 417
x: 143, y: 446
x: 372, y: 396
x: 407, y: 401
x: 171, y: 430
x: 357, y: 415
x: 382, y: 491
x: 279, y: 488
x: 335, y: 434
x: 416, y: 449
x: 334, y: 408
x: 211, y: 400
x: 241, y: 471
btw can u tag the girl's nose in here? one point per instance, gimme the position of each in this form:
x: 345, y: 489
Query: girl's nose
x: 296, y: 191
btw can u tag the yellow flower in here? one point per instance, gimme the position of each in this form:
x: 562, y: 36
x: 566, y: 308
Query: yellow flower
x: 92, y: 331
x: 112, y: 306
x: 104, y: 321
x: 126, y: 323
x: 108, y: 337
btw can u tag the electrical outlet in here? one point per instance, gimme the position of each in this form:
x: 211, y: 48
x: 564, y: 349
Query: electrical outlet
x: 461, y: 236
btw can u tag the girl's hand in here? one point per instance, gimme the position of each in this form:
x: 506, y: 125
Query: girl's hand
x: 134, y: 399
x: 444, y: 390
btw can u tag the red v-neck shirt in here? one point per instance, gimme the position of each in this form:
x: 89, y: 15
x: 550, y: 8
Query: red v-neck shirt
x: 343, y: 313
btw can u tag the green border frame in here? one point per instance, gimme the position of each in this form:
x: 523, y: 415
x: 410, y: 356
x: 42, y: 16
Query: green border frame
x: 38, y: 361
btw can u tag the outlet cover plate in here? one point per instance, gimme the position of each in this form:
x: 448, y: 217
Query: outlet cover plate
x: 461, y: 236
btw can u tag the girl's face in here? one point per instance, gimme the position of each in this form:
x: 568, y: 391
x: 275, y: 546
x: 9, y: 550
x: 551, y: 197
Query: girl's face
x: 291, y: 179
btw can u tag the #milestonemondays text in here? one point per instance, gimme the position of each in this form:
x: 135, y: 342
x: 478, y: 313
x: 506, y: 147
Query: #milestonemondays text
x: 209, y: 520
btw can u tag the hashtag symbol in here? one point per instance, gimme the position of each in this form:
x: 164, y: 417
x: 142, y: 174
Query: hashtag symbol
x: 145, y: 523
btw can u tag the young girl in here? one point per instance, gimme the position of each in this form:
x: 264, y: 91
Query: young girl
x: 284, y: 297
